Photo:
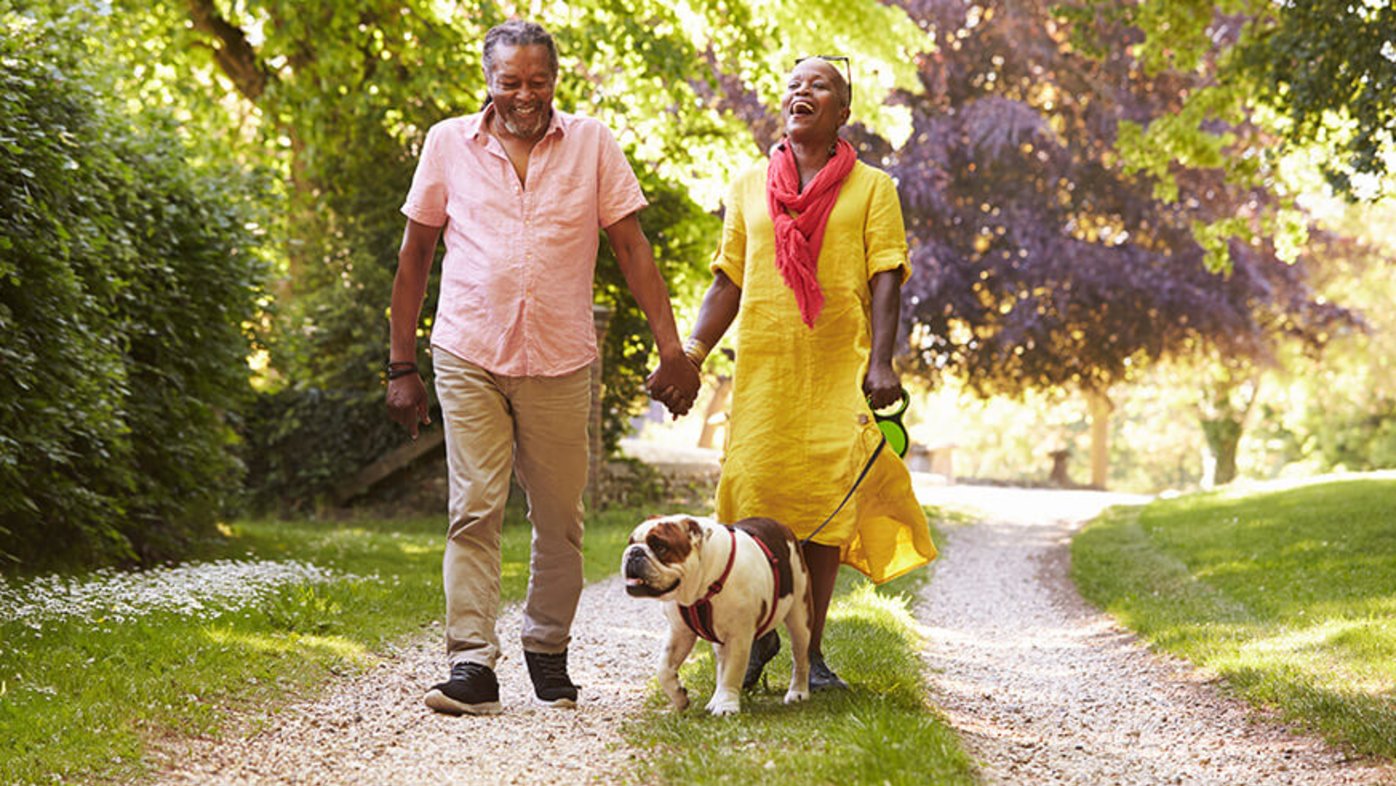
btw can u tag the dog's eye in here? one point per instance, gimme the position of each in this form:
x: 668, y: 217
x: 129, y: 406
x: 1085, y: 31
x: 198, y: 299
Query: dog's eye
x: 659, y: 548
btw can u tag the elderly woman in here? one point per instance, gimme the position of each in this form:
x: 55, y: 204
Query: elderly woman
x: 813, y: 256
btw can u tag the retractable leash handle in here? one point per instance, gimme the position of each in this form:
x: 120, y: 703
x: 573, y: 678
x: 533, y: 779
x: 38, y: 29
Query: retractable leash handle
x: 890, y: 423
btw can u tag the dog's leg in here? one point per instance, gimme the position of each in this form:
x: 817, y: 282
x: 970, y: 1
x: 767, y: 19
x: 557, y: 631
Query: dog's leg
x: 731, y: 667
x: 681, y: 641
x: 797, y: 624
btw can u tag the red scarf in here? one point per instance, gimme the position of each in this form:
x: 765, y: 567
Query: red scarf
x: 799, y: 239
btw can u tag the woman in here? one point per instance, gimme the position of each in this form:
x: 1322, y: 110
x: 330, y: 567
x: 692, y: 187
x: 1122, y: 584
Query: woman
x: 813, y: 255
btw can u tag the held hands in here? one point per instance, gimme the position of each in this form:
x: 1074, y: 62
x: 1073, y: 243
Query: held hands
x: 675, y: 384
x: 882, y: 385
x: 407, y: 402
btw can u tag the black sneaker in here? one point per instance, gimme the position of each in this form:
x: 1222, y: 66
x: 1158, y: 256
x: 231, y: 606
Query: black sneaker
x: 821, y: 677
x: 471, y: 690
x: 762, y: 650
x: 550, y: 680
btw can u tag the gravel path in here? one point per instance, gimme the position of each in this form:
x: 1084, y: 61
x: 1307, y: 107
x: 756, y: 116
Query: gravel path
x: 1044, y: 689
x: 374, y: 729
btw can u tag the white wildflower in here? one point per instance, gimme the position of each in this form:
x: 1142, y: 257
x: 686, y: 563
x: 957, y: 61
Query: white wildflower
x: 194, y: 589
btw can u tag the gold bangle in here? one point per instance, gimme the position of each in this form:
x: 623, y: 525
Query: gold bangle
x: 696, y: 350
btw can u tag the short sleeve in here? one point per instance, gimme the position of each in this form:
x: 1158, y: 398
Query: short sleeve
x: 426, y: 199
x: 731, y: 250
x: 618, y: 190
x: 885, y: 239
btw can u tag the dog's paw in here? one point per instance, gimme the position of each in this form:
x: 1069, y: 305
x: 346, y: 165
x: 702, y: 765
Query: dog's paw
x: 680, y: 699
x: 724, y: 705
x: 792, y: 696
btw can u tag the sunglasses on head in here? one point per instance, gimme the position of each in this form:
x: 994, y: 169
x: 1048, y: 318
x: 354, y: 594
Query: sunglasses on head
x: 847, y: 70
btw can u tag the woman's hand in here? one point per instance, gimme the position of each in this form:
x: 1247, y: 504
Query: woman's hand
x: 882, y: 385
x: 675, y: 384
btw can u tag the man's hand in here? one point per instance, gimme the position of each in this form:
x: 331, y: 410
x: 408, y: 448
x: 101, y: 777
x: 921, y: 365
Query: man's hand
x: 675, y: 384
x: 882, y: 386
x: 407, y: 402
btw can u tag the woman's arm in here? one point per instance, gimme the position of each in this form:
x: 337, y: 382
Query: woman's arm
x: 882, y: 385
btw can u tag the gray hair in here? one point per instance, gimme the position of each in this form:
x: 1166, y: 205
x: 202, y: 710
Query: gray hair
x: 517, y: 32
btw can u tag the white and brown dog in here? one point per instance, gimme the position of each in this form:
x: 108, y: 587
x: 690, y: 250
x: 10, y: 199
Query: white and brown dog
x: 727, y: 584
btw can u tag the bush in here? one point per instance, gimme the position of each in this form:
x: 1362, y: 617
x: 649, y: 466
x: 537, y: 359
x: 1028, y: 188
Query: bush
x: 127, y: 275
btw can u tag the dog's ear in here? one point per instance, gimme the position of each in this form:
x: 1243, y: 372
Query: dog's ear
x: 695, y: 530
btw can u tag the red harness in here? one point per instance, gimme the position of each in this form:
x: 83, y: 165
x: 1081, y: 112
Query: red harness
x: 699, y: 616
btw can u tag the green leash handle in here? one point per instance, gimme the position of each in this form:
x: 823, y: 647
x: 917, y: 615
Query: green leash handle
x: 890, y: 423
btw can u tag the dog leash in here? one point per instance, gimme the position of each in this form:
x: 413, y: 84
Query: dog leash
x: 876, y: 451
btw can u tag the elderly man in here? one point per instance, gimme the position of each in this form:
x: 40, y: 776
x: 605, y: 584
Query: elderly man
x: 520, y: 190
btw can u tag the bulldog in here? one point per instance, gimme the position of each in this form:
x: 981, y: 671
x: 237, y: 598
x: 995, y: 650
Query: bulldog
x: 727, y: 584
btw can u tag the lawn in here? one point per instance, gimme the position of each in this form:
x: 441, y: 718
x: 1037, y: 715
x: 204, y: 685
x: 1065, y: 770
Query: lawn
x: 880, y: 732
x: 1290, y: 595
x: 92, y: 666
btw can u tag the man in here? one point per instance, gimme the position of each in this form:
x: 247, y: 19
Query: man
x: 520, y: 190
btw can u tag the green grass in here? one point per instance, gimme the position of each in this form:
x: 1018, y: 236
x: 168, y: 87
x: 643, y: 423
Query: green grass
x: 1290, y: 595
x: 80, y: 698
x: 879, y: 732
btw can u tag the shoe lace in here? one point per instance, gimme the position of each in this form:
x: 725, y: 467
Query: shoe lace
x: 552, y: 668
x: 466, y: 670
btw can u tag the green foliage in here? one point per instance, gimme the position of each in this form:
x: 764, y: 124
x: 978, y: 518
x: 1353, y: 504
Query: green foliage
x: 1323, y: 70
x: 1285, y: 593
x: 128, y: 273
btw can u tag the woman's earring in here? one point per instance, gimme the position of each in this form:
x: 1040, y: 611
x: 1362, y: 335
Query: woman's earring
x: 833, y: 149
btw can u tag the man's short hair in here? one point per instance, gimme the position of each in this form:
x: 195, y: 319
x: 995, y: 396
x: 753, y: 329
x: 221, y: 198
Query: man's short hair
x: 517, y: 32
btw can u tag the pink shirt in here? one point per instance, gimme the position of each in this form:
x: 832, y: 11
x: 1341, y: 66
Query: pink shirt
x: 516, y: 283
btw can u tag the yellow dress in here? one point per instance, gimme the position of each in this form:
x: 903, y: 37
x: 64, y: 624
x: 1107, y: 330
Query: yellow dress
x: 801, y: 430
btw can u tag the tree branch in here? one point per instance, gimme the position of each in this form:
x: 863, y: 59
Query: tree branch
x: 232, y: 51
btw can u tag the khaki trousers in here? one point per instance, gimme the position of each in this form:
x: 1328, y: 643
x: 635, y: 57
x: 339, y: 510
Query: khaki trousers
x: 538, y: 427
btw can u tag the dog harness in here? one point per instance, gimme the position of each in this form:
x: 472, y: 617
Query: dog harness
x: 699, y: 616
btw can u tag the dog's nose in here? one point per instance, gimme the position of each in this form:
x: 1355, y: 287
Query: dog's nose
x: 634, y: 561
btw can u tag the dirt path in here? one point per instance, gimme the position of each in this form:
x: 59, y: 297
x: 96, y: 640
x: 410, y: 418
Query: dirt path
x: 374, y: 729
x: 1044, y: 689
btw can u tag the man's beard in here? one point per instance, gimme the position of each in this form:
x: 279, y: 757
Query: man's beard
x: 527, y: 127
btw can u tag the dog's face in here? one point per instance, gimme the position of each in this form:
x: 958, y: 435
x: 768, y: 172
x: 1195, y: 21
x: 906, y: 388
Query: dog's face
x: 662, y: 553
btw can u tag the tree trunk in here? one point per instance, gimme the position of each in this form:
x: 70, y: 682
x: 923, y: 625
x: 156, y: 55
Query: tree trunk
x: 1100, y: 407
x: 1228, y: 395
x: 716, y: 414
x: 1222, y: 435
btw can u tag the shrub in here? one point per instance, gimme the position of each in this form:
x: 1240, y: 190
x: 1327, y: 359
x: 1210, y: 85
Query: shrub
x: 127, y: 277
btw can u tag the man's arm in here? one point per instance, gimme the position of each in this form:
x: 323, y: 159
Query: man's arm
x: 676, y: 381
x: 407, y: 395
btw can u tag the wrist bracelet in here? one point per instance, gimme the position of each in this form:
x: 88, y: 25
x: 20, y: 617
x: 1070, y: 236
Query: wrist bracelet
x: 401, y: 368
x: 696, y: 350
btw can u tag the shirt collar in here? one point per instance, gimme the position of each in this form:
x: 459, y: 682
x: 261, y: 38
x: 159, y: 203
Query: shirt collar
x: 475, y: 124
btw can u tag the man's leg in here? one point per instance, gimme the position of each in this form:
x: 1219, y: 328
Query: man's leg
x: 479, y: 451
x: 551, y: 464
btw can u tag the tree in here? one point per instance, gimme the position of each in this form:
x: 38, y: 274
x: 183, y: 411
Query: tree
x: 1322, y: 71
x: 1040, y: 261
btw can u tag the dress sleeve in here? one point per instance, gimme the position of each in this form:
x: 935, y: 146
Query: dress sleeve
x: 885, y: 236
x: 731, y: 249
x: 618, y: 190
x: 426, y: 199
